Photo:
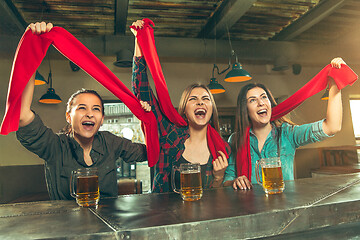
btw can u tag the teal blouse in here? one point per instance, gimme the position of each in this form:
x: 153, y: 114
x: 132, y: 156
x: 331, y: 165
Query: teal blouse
x: 291, y: 137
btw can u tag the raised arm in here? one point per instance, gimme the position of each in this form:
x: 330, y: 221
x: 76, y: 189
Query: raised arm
x: 333, y: 121
x: 26, y: 115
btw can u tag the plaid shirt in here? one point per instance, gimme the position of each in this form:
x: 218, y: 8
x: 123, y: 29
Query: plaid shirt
x: 172, y: 137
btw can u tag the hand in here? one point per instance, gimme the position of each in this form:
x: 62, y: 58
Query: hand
x: 242, y: 182
x: 336, y: 62
x: 39, y: 28
x: 139, y: 24
x: 219, y: 166
x: 146, y: 106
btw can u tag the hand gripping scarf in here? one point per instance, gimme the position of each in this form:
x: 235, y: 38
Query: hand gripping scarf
x: 29, y: 54
x: 343, y: 76
x: 145, y: 37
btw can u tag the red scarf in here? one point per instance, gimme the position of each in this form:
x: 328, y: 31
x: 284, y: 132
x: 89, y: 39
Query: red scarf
x: 29, y: 54
x: 343, y: 76
x: 145, y: 37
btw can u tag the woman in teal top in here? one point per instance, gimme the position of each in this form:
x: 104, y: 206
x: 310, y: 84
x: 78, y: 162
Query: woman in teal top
x: 280, y: 137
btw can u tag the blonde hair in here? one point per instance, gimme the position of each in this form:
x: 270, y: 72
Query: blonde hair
x: 214, y: 120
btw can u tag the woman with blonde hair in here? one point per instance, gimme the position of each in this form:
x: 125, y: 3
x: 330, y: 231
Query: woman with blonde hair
x: 181, y: 144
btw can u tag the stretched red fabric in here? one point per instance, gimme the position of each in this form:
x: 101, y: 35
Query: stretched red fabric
x: 343, y: 76
x: 145, y: 38
x: 29, y: 54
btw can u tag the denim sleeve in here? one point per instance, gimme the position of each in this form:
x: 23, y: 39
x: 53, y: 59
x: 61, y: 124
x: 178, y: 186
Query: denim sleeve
x: 230, y: 172
x: 301, y: 135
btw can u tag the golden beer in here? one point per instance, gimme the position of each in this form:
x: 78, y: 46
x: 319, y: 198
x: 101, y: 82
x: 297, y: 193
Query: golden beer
x: 272, y: 180
x: 191, y: 187
x: 87, y: 191
x: 272, y: 177
x: 87, y: 186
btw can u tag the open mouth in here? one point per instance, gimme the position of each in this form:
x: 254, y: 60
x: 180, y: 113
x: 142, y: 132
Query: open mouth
x: 88, y: 125
x: 200, y: 112
x: 262, y: 112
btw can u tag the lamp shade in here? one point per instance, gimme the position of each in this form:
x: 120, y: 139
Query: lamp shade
x: 215, y: 87
x: 325, y: 96
x: 39, y: 79
x: 50, y: 97
x: 237, y: 74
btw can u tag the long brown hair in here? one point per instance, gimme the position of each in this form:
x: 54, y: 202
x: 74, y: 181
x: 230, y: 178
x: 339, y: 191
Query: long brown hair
x: 68, y: 129
x: 214, y: 120
x: 242, y: 119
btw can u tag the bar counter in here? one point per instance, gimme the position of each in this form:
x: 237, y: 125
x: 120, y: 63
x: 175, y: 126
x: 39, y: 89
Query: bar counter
x: 324, y: 207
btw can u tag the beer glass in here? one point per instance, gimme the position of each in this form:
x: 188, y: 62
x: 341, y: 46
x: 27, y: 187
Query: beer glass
x: 272, y: 177
x: 87, y: 187
x: 190, y: 181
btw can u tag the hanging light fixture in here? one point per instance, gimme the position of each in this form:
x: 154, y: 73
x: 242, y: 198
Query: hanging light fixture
x: 50, y: 97
x: 325, y: 96
x: 214, y: 86
x: 237, y: 73
x: 39, y: 79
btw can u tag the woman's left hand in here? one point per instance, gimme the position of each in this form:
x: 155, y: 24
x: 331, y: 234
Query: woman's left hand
x: 336, y: 62
x: 219, y: 166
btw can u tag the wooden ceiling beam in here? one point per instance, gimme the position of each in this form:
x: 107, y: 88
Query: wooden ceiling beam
x: 11, y: 18
x: 312, y: 17
x: 121, y: 13
x: 228, y: 13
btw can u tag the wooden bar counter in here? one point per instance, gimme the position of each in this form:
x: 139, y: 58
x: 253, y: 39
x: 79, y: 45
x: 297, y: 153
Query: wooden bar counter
x: 325, y: 207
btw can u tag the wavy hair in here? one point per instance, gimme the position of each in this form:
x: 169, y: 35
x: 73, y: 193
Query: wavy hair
x: 242, y: 118
x: 214, y: 120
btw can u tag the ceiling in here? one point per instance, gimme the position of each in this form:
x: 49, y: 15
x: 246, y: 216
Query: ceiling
x: 186, y: 28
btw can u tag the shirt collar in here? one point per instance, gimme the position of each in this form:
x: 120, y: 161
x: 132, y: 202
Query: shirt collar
x: 96, y: 145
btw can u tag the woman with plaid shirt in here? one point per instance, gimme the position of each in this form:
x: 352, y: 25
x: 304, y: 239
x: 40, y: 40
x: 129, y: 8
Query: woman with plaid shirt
x: 181, y: 144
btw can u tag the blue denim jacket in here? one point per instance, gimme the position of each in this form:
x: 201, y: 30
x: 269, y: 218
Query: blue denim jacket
x: 291, y: 137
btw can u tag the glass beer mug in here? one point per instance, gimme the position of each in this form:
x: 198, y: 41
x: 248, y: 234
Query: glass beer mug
x: 190, y: 181
x: 87, y: 187
x: 272, y: 177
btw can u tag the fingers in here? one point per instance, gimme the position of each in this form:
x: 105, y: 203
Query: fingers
x: 221, y: 162
x: 49, y: 26
x: 242, y: 183
x: 146, y: 106
x: 38, y: 28
x: 336, y: 62
x: 139, y: 24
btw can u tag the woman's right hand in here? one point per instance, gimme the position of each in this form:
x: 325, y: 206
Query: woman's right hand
x: 146, y: 106
x: 242, y: 182
x: 39, y: 28
x: 139, y: 24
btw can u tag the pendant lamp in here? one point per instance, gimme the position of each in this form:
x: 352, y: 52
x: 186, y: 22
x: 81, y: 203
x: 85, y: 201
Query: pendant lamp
x: 214, y: 86
x: 325, y: 96
x: 50, y: 97
x: 39, y: 79
x: 237, y: 73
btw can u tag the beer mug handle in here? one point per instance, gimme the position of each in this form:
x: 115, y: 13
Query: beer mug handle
x: 72, y: 184
x: 174, y: 170
x: 257, y: 172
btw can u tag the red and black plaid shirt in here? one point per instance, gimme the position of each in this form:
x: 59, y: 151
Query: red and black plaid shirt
x: 171, y: 137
